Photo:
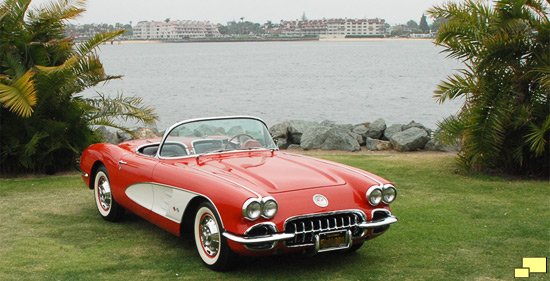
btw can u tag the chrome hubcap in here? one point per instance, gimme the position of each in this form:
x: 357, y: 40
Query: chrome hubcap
x: 104, y: 192
x: 210, y: 236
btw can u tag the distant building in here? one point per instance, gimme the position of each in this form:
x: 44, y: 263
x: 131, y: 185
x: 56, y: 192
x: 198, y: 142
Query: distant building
x: 175, y: 30
x: 332, y: 28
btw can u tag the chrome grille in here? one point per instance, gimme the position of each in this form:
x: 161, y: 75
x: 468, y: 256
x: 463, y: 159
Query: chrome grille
x: 306, y: 227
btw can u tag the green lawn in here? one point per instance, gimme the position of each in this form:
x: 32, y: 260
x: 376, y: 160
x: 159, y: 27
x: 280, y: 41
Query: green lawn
x: 451, y: 227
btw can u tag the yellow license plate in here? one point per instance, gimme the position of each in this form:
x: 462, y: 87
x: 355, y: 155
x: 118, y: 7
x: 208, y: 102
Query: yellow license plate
x: 332, y: 240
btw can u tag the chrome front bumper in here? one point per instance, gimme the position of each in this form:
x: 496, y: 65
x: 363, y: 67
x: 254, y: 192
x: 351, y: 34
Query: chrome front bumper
x: 275, y: 237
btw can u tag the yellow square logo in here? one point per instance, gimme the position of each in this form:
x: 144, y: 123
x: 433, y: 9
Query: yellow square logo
x: 535, y: 265
x: 521, y: 273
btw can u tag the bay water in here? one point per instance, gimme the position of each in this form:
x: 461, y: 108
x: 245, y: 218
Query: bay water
x: 348, y: 82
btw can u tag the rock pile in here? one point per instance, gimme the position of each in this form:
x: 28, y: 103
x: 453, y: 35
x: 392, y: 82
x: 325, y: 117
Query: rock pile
x: 328, y: 135
x: 120, y: 136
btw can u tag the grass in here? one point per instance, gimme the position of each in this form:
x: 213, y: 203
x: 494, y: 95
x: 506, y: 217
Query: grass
x: 451, y: 227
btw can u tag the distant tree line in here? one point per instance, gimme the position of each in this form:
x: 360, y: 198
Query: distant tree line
x: 241, y: 28
x: 90, y: 30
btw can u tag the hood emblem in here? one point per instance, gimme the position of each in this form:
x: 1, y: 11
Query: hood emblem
x: 320, y: 200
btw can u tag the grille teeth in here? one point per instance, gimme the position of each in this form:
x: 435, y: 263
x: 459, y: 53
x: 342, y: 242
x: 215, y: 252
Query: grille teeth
x: 306, y: 227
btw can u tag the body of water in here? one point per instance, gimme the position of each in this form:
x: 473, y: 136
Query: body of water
x: 346, y: 82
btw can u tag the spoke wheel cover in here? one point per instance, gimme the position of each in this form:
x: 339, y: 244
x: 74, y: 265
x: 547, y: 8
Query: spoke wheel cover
x: 103, y: 196
x: 207, y: 235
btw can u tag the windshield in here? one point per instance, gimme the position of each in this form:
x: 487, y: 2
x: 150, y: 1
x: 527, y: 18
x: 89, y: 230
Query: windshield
x: 216, y: 135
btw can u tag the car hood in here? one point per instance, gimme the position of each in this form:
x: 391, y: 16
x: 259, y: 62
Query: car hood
x: 273, y: 174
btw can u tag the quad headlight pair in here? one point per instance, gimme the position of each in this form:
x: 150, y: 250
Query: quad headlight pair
x: 376, y: 194
x: 253, y: 208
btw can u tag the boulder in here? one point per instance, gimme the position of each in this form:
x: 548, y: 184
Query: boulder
x: 391, y: 130
x: 361, y: 130
x: 314, y: 137
x: 376, y: 129
x: 145, y: 133
x: 297, y: 128
x: 123, y: 136
x: 413, y: 124
x: 339, y: 139
x: 433, y: 145
x: 374, y: 144
x: 294, y: 147
x: 358, y: 138
x: 108, y: 136
x: 328, y: 123
x: 280, y: 131
x: 410, y: 139
x: 282, y: 143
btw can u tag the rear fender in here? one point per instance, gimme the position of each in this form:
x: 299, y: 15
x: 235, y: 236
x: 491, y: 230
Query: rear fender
x: 93, y: 157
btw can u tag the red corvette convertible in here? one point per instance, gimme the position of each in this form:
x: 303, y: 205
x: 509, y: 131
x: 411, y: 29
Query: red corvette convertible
x: 225, y: 182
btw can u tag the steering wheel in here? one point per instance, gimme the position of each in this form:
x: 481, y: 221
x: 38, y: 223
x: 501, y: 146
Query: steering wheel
x: 236, y: 136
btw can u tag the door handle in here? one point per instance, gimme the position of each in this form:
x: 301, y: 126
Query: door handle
x: 122, y: 162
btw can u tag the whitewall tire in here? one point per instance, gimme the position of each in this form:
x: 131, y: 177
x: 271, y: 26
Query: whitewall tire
x: 211, y: 245
x: 106, y: 204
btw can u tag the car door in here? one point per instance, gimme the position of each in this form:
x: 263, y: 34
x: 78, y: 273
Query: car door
x: 134, y: 178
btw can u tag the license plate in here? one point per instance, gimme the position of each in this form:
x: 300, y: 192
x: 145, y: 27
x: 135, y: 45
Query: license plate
x: 332, y: 240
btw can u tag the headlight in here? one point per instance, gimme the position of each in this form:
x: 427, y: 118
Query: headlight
x: 374, y: 195
x: 252, y: 209
x: 269, y: 208
x: 389, y: 193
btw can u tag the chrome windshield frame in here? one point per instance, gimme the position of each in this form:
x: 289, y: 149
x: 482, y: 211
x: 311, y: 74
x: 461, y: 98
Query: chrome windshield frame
x: 171, y: 128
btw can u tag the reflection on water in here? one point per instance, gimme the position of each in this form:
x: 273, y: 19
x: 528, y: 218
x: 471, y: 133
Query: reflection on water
x: 347, y: 82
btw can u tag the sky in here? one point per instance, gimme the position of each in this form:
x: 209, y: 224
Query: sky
x: 259, y: 11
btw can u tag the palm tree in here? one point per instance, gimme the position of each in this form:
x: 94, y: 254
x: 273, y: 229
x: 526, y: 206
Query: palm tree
x: 45, y: 125
x: 504, y: 123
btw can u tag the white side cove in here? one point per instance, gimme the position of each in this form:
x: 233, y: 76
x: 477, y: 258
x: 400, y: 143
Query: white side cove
x: 166, y: 201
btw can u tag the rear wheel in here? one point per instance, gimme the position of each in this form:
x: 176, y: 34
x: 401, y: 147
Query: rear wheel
x: 211, y: 245
x: 106, y: 204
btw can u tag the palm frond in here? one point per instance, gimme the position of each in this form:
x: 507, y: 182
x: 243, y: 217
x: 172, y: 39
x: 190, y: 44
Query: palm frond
x: 119, y: 107
x: 54, y: 11
x: 93, y: 43
x: 20, y: 96
x: 451, y: 130
x: 455, y: 86
x: 537, y: 138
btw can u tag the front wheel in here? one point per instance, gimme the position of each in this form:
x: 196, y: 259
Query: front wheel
x: 211, y: 245
x: 106, y: 205
x: 355, y: 247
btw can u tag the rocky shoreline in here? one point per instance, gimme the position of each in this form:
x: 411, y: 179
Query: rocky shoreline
x: 327, y: 135
x: 375, y: 136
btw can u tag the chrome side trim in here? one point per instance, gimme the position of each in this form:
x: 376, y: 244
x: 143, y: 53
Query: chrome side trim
x: 148, y: 144
x: 374, y: 224
x: 184, y: 208
x: 251, y: 240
